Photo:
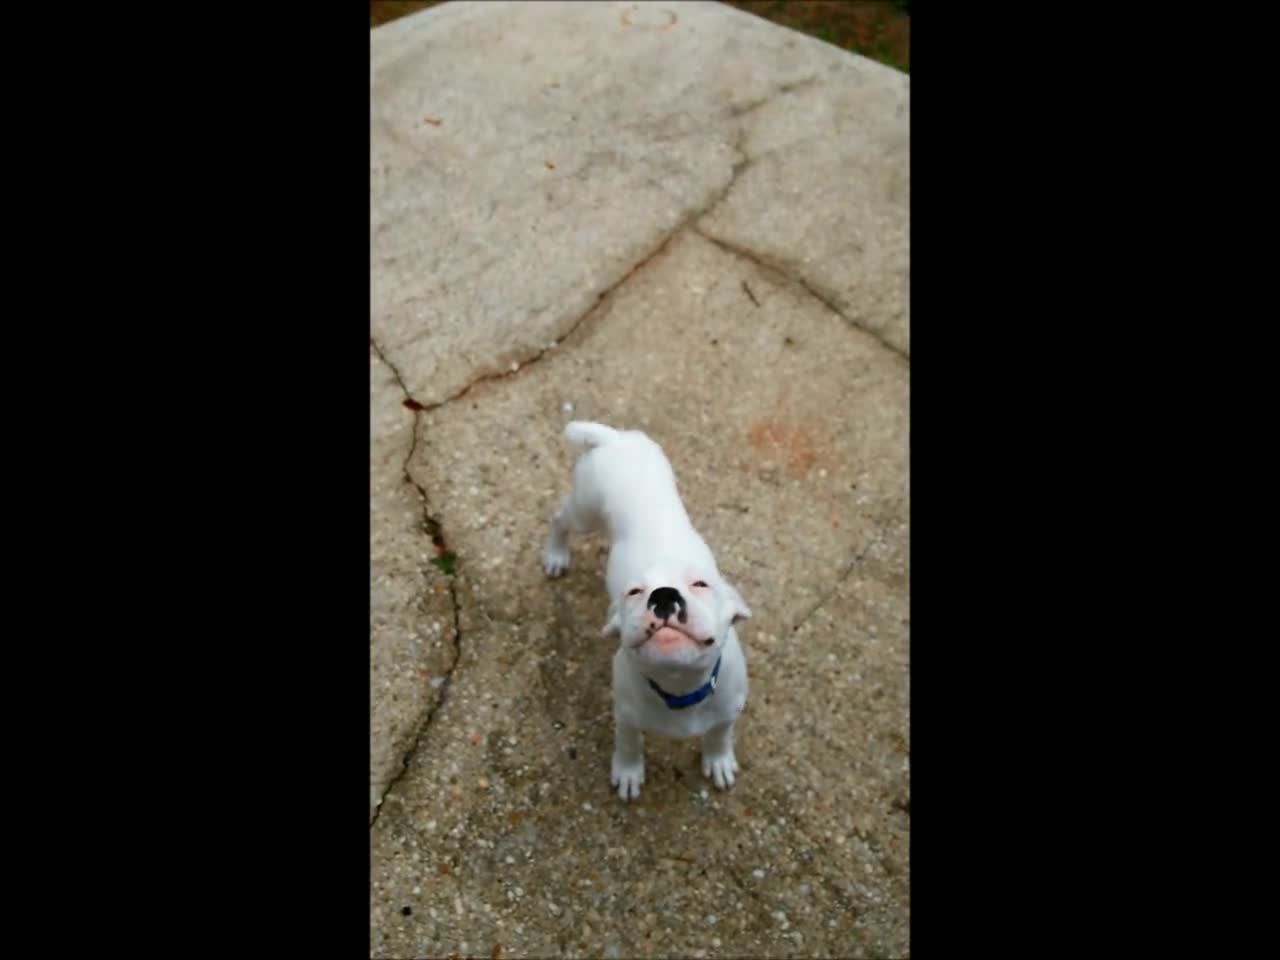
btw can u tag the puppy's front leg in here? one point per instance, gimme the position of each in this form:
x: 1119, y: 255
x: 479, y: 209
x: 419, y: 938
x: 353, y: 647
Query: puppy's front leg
x: 627, y: 772
x: 718, y: 761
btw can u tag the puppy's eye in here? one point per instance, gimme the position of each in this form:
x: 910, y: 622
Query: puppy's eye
x: 699, y: 583
x: 632, y: 593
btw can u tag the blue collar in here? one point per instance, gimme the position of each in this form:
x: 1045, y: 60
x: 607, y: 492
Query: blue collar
x: 689, y: 699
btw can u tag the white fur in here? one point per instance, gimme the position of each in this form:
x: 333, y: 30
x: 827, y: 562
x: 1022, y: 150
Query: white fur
x: 624, y: 485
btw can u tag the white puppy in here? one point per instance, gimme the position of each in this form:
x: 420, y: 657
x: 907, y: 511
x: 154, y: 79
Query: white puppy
x: 679, y: 670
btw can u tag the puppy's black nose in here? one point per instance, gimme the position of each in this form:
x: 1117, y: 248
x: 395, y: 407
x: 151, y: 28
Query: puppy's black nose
x: 665, y: 601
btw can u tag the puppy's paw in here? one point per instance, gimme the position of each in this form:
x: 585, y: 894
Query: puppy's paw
x: 555, y: 560
x: 627, y: 777
x: 720, y: 767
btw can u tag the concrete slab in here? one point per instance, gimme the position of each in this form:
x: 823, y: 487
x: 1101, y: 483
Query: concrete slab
x: 612, y: 165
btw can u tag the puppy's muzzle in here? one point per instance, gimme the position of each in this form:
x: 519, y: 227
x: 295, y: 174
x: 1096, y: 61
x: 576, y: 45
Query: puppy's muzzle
x: 666, y: 601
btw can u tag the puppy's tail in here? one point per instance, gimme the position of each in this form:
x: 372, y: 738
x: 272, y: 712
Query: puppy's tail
x: 582, y: 433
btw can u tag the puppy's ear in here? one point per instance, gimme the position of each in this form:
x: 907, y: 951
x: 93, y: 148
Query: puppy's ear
x: 738, y: 609
x: 614, y: 623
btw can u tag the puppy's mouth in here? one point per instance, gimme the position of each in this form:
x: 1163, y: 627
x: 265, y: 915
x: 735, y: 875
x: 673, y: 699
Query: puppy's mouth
x: 670, y: 636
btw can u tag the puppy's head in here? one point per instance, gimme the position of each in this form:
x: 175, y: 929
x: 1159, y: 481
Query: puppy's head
x: 676, y: 614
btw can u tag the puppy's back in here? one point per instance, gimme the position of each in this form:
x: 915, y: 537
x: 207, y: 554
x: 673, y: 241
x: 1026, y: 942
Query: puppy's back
x: 623, y: 476
x: 626, y: 447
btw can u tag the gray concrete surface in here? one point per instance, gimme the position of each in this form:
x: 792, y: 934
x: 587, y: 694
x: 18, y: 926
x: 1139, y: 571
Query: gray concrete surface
x: 680, y: 218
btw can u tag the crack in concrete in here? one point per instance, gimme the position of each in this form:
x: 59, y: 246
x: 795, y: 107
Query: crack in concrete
x: 518, y: 365
x: 417, y: 408
x: 686, y: 222
x: 830, y: 593
x: 425, y: 723
x: 743, y: 109
x: 434, y: 530
x: 390, y: 366
x: 825, y: 299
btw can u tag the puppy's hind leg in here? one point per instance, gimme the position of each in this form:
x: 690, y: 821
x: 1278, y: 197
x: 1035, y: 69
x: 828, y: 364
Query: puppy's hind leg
x: 579, y: 513
x: 555, y: 555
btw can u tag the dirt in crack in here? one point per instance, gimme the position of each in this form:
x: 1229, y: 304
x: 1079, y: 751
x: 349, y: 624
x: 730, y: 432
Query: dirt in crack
x: 445, y: 558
